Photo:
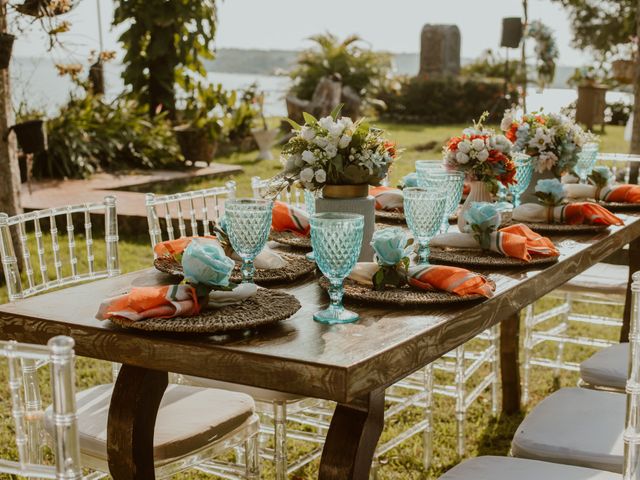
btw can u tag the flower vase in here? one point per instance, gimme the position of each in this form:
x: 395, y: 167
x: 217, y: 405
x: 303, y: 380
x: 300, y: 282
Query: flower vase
x: 529, y: 195
x: 479, y: 192
x: 352, y: 199
x: 265, y: 140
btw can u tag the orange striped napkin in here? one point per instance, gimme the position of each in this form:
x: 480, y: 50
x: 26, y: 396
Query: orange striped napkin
x: 171, y: 248
x: 151, y: 302
x: 388, y: 198
x: 450, y: 279
x: 585, y: 213
x: 287, y: 218
x: 623, y: 193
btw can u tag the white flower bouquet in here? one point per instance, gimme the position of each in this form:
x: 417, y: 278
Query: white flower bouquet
x: 336, y: 151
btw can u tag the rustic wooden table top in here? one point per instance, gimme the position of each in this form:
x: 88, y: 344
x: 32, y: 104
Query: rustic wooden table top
x: 300, y: 356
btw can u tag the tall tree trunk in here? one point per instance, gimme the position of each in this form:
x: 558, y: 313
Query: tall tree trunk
x: 635, y: 134
x: 9, y: 169
x: 525, y: 70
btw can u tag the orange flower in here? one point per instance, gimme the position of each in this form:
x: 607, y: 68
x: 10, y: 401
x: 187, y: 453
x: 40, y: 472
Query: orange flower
x: 391, y: 148
x: 511, y: 133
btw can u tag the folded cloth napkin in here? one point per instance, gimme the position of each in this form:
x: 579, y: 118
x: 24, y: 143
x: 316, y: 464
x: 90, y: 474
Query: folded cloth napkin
x: 579, y: 213
x: 222, y: 298
x: 287, y: 218
x: 171, y: 248
x: 267, y: 259
x: 622, y: 193
x: 432, y: 277
x: 388, y: 198
x: 517, y: 241
x: 151, y: 302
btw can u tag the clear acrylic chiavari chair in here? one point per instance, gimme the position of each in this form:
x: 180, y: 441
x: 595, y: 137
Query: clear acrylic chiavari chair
x: 584, y: 300
x: 194, y: 213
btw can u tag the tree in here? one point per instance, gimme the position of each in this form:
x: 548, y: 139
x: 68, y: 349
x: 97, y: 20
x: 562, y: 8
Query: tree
x: 165, y: 39
x: 606, y: 26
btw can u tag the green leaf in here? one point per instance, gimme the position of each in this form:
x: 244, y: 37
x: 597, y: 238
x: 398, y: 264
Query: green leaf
x: 294, y: 125
x: 309, y: 119
x: 336, y: 111
x: 378, y: 280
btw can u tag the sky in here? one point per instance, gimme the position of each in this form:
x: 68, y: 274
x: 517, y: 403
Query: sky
x: 286, y: 24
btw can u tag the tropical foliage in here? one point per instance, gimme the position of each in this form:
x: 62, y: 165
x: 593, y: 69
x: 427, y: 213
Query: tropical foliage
x: 359, y: 67
x: 163, y: 41
x: 546, y: 50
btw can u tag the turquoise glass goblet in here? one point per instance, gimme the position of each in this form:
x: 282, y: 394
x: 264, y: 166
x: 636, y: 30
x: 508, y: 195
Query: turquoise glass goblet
x: 424, y: 167
x: 248, y: 224
x: 310, y: 207
x: 586, y: 160
x: 524, y: 174
x: 336, y: 239
x: 423, y: 209
x: 451, y: 184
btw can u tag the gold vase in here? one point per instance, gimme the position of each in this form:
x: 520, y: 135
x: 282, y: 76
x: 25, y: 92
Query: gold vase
x: 345, y: 191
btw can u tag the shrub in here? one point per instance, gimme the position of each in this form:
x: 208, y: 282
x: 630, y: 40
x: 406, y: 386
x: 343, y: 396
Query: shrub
x: 90, y: 134
x: 447, y: 100
x: 359, y: 68
x: 491, y: 64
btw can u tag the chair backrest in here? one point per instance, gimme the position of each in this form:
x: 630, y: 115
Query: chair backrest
x: 631, y: 468
x: 198, y: 208
x: 55, y: 266
x: 24, y: 361
x: 291, y: 194
x: 619, y: 163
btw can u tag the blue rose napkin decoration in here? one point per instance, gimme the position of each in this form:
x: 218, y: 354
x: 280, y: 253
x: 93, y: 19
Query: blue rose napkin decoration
x: 392, y: 248
x: 550, y: 192
x: 483, y: 219
x: 206, y: 266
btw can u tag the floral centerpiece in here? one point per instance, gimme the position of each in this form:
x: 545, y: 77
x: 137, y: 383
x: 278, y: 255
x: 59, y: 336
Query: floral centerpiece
x: 485, y: 157
x: 552, y: 140
x: 336, y: 151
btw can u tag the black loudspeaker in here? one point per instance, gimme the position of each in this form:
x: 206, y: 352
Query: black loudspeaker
x: 511, y: 32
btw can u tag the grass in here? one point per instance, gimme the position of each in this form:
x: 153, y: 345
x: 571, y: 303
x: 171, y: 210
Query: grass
x: 484, y: 433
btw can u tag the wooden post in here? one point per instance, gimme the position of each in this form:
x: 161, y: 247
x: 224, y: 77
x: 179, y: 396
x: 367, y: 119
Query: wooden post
x: 635, y: 135
x: 9, y: 169
x: 525, y: 23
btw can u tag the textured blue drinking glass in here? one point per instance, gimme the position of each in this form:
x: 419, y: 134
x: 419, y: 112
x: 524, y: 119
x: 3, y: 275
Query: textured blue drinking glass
x: 310, y: 207
x: 423, y: 209
x: 424, y: 167
x: 586, y: 160
x: 524, y: 174
x: 336, y: 239
x: 248, y: 224
x: 448, y: 182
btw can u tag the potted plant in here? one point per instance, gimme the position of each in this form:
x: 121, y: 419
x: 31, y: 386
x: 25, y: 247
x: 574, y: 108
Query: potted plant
x: 200, y: 127
x: 623, y: 71
x: 592, y: 84
x: 6, y: 47
x: 552, y: 141
x: 341, y: 158
x: 45, y: 8
x: 264, y: 136
x: 485, y: 158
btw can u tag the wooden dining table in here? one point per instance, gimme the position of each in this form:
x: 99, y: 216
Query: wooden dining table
x: 350, y: 364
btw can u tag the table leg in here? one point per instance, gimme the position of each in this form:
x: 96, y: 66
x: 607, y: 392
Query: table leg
x: 509, y: 363
x: 352, y: 438
x: 132, y: 418
x: 634, y: 266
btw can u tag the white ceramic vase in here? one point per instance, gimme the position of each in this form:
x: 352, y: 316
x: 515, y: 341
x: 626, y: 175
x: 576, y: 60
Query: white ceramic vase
x: 264, y: 139
x: 479, y: 192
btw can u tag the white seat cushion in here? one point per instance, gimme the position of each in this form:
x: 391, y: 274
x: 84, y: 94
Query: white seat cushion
x: 607, y: 367
x: 259, y: 394
x: 603, y: 278
x: 575, y: 426
x: 189, y: 418
x: 505, y: 468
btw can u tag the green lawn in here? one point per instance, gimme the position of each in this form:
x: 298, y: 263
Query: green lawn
x: 485, y: 434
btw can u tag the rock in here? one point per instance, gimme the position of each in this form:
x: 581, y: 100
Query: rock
x: 439, y: 51
x: 352, y: 103
x: 326, y: 96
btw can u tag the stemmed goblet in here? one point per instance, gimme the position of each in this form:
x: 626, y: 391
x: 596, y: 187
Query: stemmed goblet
x: 524, y: 174
x: 586, y: 160
x: 248, y: 223
x: 310, y: 207
x: 448, y: 182
x: 336, y: 239
x: 423, y: 209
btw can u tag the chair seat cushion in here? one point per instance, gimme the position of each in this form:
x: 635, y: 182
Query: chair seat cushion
x: 575, y: 426
x: 505, y: 468
x: 604, y: 278
x: 607, y: 367
x: 259, y: 394
x: 189, y: 418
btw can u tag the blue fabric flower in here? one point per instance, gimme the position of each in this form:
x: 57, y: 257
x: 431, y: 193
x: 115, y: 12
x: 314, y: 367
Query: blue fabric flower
x: 391, y: 245
x: 410, y: 180
x: 484, y: 215
x: 550, y: 190
x: 204, y: 262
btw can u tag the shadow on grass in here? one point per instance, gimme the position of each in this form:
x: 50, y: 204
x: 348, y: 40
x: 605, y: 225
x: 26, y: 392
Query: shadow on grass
x: 496, y: 437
